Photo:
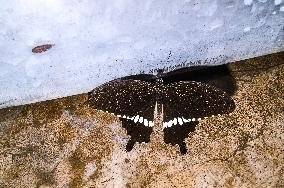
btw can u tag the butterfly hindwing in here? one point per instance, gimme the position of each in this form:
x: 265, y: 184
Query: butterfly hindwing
x: 125, y: 98
x: 193, y: 101
x: 138, y: 132
x: 177, y: 134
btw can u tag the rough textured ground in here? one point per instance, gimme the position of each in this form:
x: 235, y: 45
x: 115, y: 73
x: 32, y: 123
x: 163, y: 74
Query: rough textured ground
x: 62, y: 143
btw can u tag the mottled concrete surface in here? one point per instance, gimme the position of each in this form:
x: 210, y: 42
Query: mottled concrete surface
x: 63, y: 143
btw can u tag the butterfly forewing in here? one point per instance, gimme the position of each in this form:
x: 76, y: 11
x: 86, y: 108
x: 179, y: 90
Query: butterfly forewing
x: 125, y: 98
x: 183, y: 101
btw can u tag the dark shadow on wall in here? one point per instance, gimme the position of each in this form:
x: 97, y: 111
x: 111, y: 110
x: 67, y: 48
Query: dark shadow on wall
x: 218, y: 76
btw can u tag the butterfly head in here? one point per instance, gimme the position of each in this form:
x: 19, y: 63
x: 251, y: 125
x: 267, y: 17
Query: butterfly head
x: 160, y: 73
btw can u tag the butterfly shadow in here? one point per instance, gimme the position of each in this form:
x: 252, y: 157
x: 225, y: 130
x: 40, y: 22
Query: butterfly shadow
x: 217, y: 76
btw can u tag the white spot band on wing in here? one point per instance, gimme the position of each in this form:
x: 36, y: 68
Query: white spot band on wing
x: 136, y: 119
x: 141, y: 119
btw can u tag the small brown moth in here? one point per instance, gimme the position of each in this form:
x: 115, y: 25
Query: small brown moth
x: 42, y: 48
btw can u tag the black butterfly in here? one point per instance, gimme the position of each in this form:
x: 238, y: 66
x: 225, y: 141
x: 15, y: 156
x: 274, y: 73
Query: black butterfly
x: 183, y: 104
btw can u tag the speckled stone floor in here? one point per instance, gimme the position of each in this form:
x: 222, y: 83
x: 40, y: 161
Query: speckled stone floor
x: 63, y: 143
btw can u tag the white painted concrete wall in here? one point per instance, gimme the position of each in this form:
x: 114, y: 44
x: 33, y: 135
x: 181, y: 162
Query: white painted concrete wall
x: 97, y: 41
